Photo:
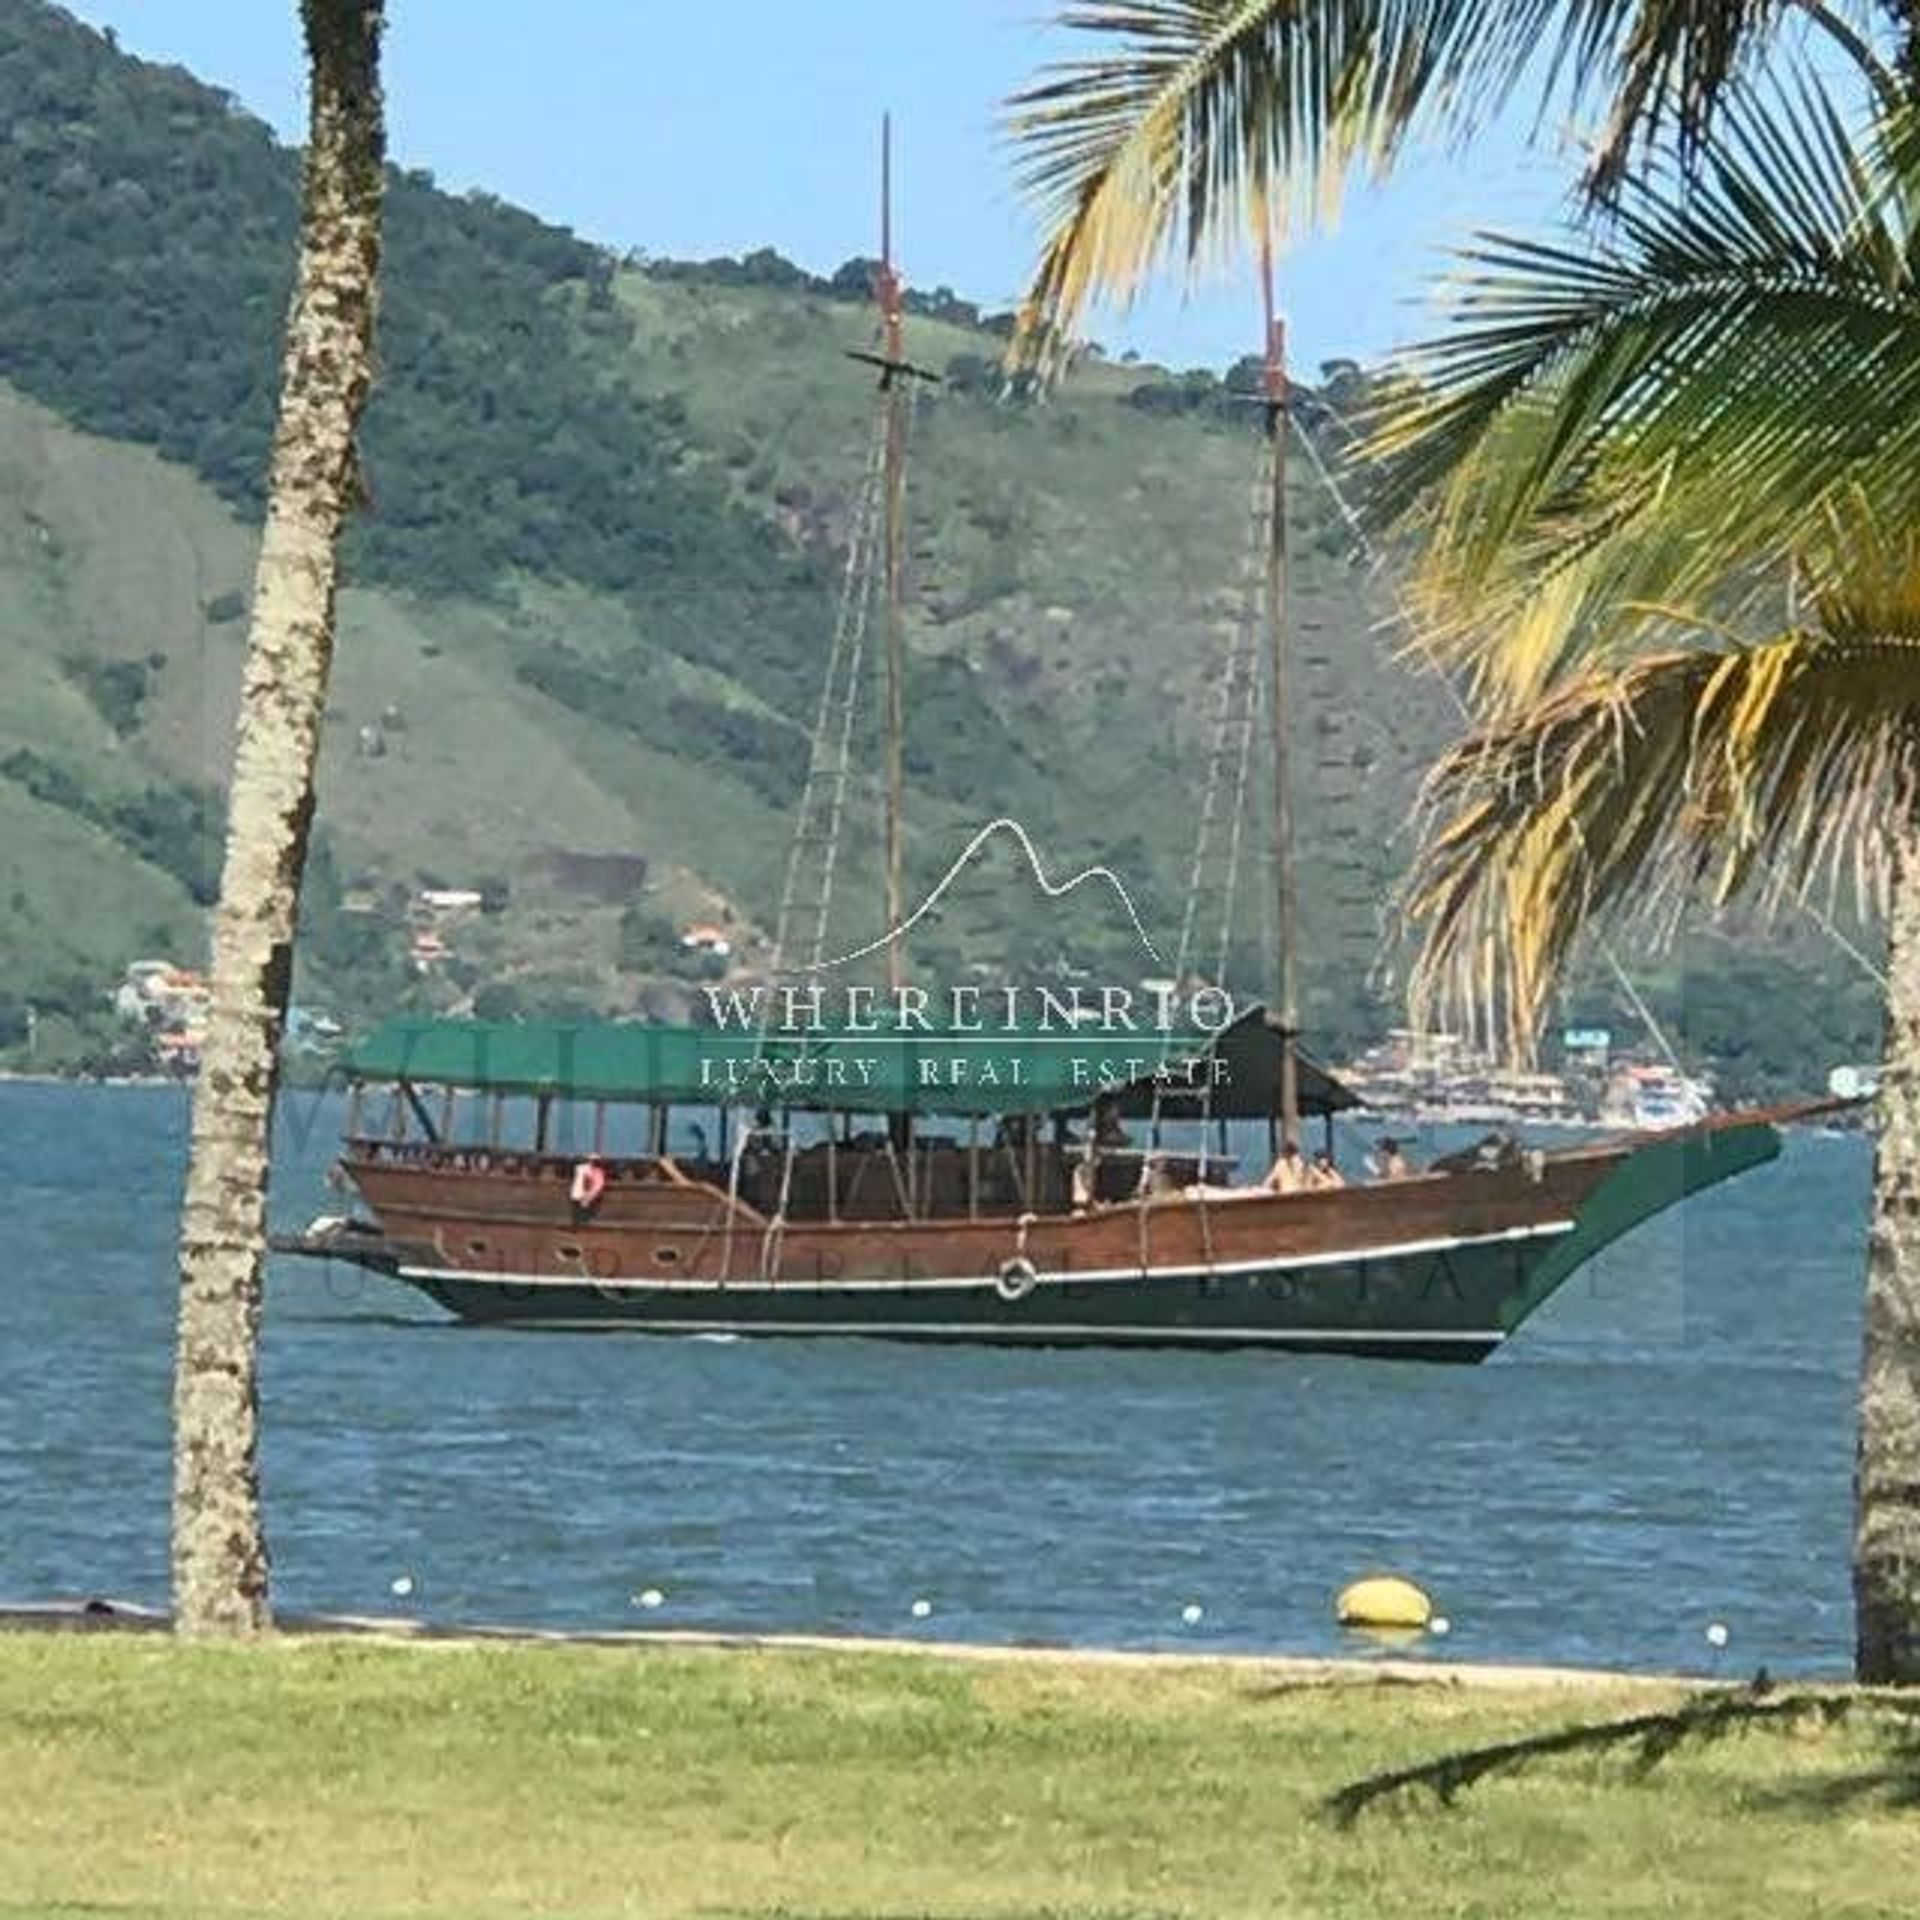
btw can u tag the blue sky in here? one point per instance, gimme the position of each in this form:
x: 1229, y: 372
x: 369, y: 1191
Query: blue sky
x: 715, y: 129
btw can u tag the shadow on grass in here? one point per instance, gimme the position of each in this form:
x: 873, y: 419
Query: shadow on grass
x: 1283, y: 1689
x: 1650, y: 1738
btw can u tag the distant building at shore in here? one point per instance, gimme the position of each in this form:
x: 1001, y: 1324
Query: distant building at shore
x: 1441, y: 1078
x: 170, y: 1002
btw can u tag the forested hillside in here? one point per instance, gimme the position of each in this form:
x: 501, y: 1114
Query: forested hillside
x: 591, y: 599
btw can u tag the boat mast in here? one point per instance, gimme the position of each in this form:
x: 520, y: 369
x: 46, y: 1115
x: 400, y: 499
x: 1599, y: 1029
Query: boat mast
x: 893, y: 381
x: 1286, y: 897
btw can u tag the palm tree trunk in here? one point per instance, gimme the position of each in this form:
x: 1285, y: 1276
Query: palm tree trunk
x: 1886, y: 1554
x: 219, y: 1545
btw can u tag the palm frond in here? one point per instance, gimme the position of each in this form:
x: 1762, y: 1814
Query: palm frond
x: 1197, y: 118
x: 1675, y: 63
x: 1674, y: 406
x: 1195, y: 124
x: 1758, y: 770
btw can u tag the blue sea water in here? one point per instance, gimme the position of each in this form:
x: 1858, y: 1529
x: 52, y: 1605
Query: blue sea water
x: 1666, y: 1445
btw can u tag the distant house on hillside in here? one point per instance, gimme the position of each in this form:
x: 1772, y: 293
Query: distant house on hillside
x: 161, y: 995
x: 170, y: 1002
x: 434, y: 901
x: 703, y: 937
x: 133, y: 998
x: 428, y: 951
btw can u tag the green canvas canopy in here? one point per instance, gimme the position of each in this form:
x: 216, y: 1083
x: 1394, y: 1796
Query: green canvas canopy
x: 945, y: 1072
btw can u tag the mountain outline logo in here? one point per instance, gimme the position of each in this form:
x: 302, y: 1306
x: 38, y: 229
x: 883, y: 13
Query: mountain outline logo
x: 1054, y: 890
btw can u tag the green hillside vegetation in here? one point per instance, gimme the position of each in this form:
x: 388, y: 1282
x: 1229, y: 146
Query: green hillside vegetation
x: 592, y: 598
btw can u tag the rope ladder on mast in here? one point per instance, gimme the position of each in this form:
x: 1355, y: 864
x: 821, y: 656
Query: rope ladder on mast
x: 875, y: 555
x: 1220, y: 836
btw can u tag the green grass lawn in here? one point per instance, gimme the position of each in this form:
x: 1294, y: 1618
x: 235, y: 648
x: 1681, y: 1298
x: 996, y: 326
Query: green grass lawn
x: 343, y: 1778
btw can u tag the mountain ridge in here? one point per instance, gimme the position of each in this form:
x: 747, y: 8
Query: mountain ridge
x: 586, y: 615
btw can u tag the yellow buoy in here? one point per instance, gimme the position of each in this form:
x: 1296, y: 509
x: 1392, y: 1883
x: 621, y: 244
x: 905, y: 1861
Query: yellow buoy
x: 1383, y: 1600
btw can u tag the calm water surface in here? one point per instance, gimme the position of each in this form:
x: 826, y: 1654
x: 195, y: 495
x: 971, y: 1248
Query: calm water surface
x: 1667, y: 1443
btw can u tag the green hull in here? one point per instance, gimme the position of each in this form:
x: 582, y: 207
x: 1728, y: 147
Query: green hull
x: 1438, y: 1306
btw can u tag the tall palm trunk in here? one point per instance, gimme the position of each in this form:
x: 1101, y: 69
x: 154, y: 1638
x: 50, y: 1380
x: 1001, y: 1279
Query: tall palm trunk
x: 1886, y: 1555
x: 219, y: 1545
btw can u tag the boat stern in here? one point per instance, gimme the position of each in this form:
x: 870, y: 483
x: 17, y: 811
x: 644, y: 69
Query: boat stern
x: 359, y: 1243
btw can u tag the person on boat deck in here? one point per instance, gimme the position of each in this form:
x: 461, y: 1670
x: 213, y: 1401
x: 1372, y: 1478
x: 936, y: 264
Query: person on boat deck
x: 1156, y: 1177
x: 1387, y: 1162
x: 1086, y: 1178
x: 1107, y: 1128
x: 1323, y: 1174
x: 1289, y: 1172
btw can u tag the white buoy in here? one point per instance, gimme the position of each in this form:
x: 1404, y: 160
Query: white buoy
x: 649, y: 1597
x: 402, y: 1586
x: 1193, y: 1613
x: 1440, y: 1625
x: 921, y: 1609
x: 1717, y: 1635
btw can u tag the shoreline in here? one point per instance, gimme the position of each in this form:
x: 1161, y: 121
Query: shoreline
x: 32, y: 1077
x: 399, y: 1630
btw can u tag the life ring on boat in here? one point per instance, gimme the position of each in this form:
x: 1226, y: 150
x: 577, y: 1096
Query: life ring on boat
x: 1016, y: 1279
x: 588, y: 1184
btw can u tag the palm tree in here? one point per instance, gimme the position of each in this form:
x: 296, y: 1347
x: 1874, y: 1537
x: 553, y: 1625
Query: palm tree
x: 1666, y: 478
x: 219, y: 1545
x: 1672, y: 476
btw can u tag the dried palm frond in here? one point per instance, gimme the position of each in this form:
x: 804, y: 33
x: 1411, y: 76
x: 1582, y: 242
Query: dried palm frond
x: 1757, y: 770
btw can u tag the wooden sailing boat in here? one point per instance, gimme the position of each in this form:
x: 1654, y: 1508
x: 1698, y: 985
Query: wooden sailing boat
x: 913, y: 1180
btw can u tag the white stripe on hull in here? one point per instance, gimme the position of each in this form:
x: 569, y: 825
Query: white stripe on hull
x: 1269, y: 1263
x: 993, y: 1330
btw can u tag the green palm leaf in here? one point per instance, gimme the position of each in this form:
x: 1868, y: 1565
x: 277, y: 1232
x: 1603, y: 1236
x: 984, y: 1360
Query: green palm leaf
x: 1673, y: 411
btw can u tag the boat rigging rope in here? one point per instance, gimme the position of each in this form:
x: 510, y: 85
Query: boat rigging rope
x: 820, y: 820
x: 1237, y: 811
x: 1401, y: 616
x: 829, y: 747
x: 1229, y: 768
